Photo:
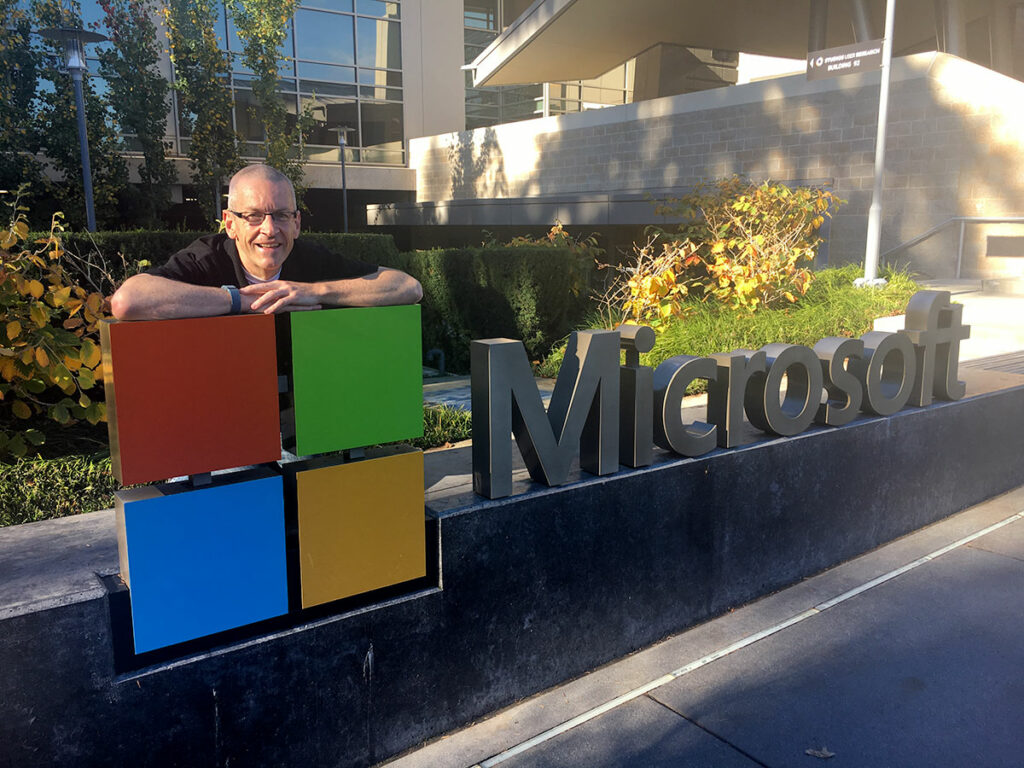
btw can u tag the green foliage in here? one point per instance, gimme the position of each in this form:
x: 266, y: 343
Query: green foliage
x: 20, y: 61
x: 584, y: 246
x: 49, y: 344
x: 748, y: 245
x: 831, y: 307
x: 57, y: 127
x: 118, y: 255
x: 835, y: 308
x: 263, y: 26
x: 444, y: 425
x: 375, y: 249
x: 201, y: 70
x: 537, y: 294
x: 40, y: 489
x: 139, y: 96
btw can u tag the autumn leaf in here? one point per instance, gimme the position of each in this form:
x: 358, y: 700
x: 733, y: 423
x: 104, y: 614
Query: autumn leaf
x: 822, y: 754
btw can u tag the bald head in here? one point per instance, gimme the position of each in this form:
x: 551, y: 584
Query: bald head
x: 257, y: 174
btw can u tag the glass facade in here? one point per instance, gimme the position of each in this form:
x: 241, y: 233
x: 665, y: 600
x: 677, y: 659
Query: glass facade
x: 342, y: 57
x: 483, y: 20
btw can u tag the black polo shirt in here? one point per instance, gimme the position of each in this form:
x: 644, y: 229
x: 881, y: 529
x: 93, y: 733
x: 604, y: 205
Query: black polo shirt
x: 212, y: 260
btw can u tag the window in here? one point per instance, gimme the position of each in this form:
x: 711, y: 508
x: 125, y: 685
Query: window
x: 379, y: 43
x: 325, y: 37
x: 344, y: 58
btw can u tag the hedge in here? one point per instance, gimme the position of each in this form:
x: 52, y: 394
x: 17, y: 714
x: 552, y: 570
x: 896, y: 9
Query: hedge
x: 537, y: 294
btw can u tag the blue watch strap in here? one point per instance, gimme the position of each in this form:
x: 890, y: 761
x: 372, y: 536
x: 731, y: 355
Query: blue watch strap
x: 236, y: 298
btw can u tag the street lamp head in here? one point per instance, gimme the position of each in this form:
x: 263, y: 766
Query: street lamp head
x: 73, y: 38
x: 74, y: 59
x: 343, y: 134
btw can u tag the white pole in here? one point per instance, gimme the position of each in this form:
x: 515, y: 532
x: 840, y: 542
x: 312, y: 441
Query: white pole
x: 875, y: 211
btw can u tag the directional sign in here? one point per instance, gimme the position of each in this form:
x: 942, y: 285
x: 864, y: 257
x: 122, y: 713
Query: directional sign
x: 844, y: 60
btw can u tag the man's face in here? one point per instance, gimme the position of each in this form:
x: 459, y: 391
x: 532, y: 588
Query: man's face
x: 262, y: 247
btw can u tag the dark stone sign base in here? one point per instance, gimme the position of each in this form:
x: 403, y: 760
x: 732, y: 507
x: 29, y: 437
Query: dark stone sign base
x: 533, y: 590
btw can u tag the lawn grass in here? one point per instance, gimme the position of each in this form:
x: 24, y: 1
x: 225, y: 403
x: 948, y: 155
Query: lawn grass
x: 443, y: 425
x: 832, y: 307
x: 42, y: 489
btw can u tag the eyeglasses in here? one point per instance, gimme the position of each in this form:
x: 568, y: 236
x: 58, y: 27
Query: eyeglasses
x: 255, y: 218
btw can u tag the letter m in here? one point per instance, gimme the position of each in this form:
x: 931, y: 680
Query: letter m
x: 583, y: 414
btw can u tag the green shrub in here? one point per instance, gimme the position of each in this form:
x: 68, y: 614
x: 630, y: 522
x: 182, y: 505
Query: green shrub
x: 122, y: 254
x: 375, y: 249
x: 536, y: 294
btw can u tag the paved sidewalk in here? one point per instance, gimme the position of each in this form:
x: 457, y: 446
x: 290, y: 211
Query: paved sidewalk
x: 996, y: 319
x: 907, y: 656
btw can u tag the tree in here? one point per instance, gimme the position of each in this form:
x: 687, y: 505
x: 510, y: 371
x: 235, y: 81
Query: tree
x: 263, y: 27
x: 56, y: 122
x: 138, y: 93
x: 204, y: 103
x: 19, y: 65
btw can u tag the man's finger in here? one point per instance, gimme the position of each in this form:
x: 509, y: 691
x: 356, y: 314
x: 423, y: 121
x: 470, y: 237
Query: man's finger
x: 271, y: 296
x: 286, y: 306
x: 259, y: 288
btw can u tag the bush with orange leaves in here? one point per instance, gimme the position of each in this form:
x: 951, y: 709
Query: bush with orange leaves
x: 749, y: 245
x: 651, y: 288
x: 49, y: 341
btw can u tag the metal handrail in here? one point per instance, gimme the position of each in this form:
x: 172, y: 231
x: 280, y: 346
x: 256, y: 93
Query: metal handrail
x: 964, y: 221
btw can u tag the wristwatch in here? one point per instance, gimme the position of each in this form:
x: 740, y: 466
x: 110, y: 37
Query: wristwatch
x: 236, y: 298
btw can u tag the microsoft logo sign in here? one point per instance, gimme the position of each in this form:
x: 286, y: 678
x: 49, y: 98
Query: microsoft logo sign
x: 192, y: 397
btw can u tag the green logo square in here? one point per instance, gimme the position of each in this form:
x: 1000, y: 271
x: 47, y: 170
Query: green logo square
x: 357, y: 377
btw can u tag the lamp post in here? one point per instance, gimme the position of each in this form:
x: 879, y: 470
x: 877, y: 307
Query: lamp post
x: 874, y: 236
x: 342, y: 131
x: 73, y: 39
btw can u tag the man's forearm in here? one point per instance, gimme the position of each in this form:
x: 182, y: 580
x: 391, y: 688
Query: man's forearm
x: 148, y: 297
x: 384, y: 288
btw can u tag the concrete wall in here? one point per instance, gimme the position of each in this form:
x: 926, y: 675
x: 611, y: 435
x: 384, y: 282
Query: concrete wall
x: 534, y: 590
x: 955, y: 148
x: 432, y: 56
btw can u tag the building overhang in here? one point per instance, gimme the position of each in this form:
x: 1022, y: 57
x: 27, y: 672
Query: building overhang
x: 573, y: 39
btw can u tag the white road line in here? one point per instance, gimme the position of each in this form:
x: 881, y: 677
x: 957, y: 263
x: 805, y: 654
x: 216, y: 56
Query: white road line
x: 732, y: 648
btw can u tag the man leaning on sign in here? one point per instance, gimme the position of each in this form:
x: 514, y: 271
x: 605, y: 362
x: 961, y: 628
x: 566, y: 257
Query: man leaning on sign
x: 256, y: 265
